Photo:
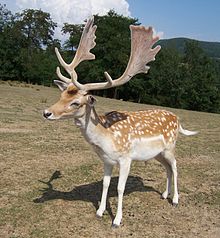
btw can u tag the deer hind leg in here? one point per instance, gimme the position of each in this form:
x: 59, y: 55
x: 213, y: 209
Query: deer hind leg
x: 167, y: 166
x: 170, y: 158
x: 106, y: 182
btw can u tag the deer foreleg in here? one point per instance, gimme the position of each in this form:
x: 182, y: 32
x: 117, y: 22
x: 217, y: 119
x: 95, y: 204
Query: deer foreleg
x: 123, y: 175
x: 106, y: 182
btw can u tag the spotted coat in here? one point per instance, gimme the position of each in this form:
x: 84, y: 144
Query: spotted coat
x: 127, y: 126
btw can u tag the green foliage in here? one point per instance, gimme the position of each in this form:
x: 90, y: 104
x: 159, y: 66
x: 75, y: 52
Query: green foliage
x: 36, y: 26
x: 74, y: 32
x: 6, y: 17
x: 189, y: 81
x: 10, y: 41
x: 166, y: 86
x: 40, y: 68
x: 201, y: 80
x: 211, y: 49
x: 182, y: 76
x: 23, y: 39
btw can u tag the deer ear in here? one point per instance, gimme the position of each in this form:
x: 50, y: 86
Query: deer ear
x: 91, y: 100
x: 61, y: 85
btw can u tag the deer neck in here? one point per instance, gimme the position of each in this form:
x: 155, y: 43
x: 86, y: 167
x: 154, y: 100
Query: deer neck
x: 88, y: 120
x: 91, y: 126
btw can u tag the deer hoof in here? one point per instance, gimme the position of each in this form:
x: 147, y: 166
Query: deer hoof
x: 114, y: 226
x: 98, y: 217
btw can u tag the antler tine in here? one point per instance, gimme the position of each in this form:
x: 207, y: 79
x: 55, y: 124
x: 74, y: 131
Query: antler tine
x: 142, y: 40
x: 62, y: 77
x: 87, y: 42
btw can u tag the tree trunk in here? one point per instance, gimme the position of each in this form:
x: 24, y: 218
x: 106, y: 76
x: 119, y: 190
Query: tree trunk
x: 115, y: 93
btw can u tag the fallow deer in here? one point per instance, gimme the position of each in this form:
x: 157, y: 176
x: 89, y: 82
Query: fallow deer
x: 119, y: 137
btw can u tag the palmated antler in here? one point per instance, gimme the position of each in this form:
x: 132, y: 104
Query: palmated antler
x: 87, y: 42
x: 142, y: 41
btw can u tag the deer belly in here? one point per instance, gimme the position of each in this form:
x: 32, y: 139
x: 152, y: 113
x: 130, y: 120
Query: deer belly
x: 146, y: 148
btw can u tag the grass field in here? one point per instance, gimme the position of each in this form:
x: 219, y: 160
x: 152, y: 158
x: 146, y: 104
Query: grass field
x: 51, y: 180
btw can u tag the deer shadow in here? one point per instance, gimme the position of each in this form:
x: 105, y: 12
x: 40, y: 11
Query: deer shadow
x: 91, y: 192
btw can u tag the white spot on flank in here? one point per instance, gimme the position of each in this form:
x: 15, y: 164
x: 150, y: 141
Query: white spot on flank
x: 163, y: 119
x: 117, y: 133
x: 129, y: 137
x: 138, y: 124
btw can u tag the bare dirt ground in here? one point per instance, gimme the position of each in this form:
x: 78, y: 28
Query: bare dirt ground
x: 51, y: 180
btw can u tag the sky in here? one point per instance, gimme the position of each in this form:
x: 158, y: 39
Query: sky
x: 196, y: 19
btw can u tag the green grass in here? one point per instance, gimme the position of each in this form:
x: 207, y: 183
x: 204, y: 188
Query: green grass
x: 33, y: 149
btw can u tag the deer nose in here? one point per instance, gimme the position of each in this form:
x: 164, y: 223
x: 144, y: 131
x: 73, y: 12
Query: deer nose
x: 46, y: 114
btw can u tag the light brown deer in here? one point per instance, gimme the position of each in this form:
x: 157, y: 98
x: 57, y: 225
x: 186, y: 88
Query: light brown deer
x: 119, y: 137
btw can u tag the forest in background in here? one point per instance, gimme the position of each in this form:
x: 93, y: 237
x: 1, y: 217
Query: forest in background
x: 189, y: 79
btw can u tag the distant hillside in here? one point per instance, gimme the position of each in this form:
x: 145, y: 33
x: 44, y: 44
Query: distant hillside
x: 212, y: 49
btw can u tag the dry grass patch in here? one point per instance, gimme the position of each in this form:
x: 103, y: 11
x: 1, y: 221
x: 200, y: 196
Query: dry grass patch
x: 51, y: 180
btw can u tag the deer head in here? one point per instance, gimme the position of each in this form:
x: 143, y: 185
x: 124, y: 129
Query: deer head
x: 75, y: 96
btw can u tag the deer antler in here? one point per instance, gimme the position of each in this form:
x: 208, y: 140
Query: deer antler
x: 87, y: 42
x: 142, y: 41
x: 142, y: 53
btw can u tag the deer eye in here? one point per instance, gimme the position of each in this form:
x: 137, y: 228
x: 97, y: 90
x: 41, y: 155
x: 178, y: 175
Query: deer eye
x: 75, y: 104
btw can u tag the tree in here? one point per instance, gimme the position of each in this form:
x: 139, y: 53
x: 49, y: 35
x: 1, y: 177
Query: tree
x: 11, y: 42
x: 201, y: 80
x: 6, y: 17
x: 74, y: 32
x: 26, y: 46
x: 135, y: 90
x: 165, y: 85
x: 37, y: 29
